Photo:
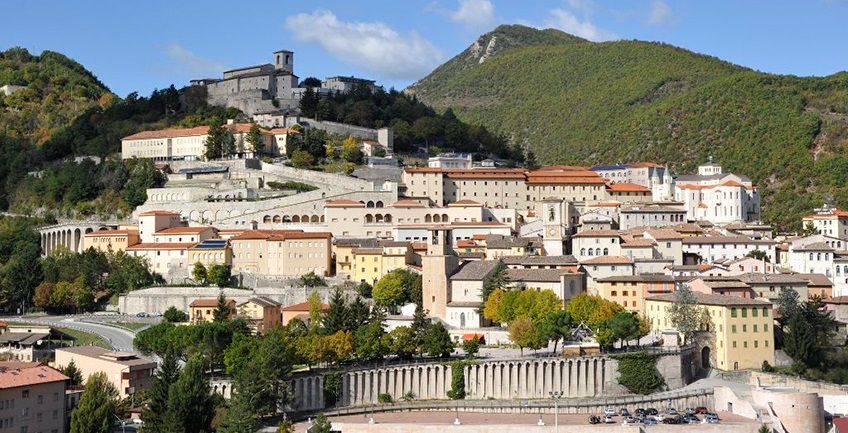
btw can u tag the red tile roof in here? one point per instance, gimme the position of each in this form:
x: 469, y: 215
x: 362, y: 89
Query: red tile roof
x: 304, y: 306
x: 183, y: 230
x: 209, y: 302
x: 276, y: 131
x: 162, y: 246
x: 279, y: 235
x: 644, y: 164
x: 112, y: 233
x: 627, y: 187
x: 407, y: 203
x: 16, y: 374
x: 465, y: 203
x: 608, y: 260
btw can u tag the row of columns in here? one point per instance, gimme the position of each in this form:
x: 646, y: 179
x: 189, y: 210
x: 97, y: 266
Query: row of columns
x: 67, y: 237
x: 308, y: 393
x: 534, y: 379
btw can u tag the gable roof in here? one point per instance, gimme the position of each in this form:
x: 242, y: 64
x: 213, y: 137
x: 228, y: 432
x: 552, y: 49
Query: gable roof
x: 475, y: 271
x: 18, y: 374
x: 608, y: 260
x: 710, y: 299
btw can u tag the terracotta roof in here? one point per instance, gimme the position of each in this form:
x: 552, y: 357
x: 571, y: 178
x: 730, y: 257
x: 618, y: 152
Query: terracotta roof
x: 688, y: 228
x: 839, y: 300
x: 608, y: 260
x: 607, y: 204
x: 644, y: 164
x: 209, y: 302
x: 343, y: 202
x: 16, y: 374
x: 565, y: 180
x: 465, y: 243
x: 724, y: 240
x: 638, y: 243
x: 261, y: 300
x: 710, y: 299
x: 276, y: 131
x: 815, y: 246
x: 367, y: 251
x: 465, y: 203
x: 833, y: 213
x: 158, y: 213
x: 663, y: 234
x: 817, y: 279
x: 641, y: 278
x: 168, y: 133
x: 162, y: 246
x: 407, y: 203
x: 539, y: 260
x: 732, y: 183
x: 627, y: 187
x: 183, y: 230
x: 111, y: 233
x: 559, y: 167
x: 280, y: 235
x: 531, y: 275
x: 303, y: 306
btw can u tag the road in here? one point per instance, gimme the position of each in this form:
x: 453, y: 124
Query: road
x: 120, y: 339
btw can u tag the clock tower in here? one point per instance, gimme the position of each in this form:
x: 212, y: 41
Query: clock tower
x: 552, y: 225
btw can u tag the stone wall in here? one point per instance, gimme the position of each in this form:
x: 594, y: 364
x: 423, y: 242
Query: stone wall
x: 518, y: 428
x: 758, y: 378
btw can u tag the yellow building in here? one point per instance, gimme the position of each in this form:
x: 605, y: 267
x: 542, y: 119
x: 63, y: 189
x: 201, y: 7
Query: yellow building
x: 110, y: 240
x: 742, y: 329
x: 211, y: 252
x: 630, y: 291
x: 343, y: 254
x: 203, y: 310
x: 368, y: 264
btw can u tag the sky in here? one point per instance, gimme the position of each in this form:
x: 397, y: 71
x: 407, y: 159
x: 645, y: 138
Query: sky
x: 139, y: 46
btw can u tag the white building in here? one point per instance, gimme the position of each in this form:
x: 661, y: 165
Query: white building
x: 450, y: 160
x: 713, y: 249
x: 716, y: 196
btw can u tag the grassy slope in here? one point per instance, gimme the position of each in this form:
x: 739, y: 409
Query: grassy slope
x: 625, y: 101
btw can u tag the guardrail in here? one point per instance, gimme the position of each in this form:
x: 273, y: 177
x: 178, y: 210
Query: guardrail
x: 68, y: 326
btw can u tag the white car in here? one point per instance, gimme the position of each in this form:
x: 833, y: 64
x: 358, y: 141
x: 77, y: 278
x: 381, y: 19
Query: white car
x: 609, y: 411
x: 608, y: 420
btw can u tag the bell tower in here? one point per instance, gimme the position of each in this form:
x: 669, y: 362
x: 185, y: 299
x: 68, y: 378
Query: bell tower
x: 284, y: 61
x: 438, y: 265
x: 552, y: 238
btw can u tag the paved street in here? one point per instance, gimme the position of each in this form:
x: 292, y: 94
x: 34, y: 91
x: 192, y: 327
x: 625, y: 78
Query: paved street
x: 120, y: 339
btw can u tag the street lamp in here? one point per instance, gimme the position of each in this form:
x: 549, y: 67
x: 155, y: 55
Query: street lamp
x: 456, y: 419
x: 555, y: 396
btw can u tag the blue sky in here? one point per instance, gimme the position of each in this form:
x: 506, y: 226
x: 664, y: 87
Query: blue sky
x: 143, y: 45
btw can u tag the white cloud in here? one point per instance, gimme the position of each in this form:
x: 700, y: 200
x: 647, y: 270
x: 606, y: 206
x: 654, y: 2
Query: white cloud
x: 660, y: 13
x: 372, y: 46
x: 189, y: 63
x: 568, y: 22
x: 478, y: 15
x: 584, y: 6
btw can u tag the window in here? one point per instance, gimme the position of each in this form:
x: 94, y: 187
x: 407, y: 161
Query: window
x: 25, y: 393
x: 733, y: 312
x: 614, y: 293
x: 734, y: 344
x: 745, y: 344
x: 755, y: 328
x: 756, y: 343
x: 754, y: 312
x: 744, y: 328
x: 733, y: 329
x: 765, y: 328
x: 765, y: 311
x: 744, y: 312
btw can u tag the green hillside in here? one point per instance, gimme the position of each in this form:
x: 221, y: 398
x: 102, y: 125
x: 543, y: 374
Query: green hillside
x: 574, y: 101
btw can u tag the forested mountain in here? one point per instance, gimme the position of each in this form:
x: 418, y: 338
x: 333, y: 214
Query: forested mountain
x: 574, y: 101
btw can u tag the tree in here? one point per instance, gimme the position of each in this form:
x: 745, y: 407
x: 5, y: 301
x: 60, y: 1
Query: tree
x: 199, y: 273
x: 321, y: 424
x: 255, y: 144
x: 228, y: 144
x: 335, y: 318
x: 238, y: 416
x: 437, y: 341
x: 41, y: 299
x: 492, y: 306
x: 788, y: 303
x: 312, y: 280
x: 471, y: 346
x: 96, y: 408
x: 809, y: 229
x: 220, y: 275
x: 316, y: 310
x: 302, y: 159
x: 390, y: 290
x: 214, y: 139
x: 369, y: 341
x: 624, y: 326
x: 309, y: 102
x: 402, y: 342
x: 524, y: 333
x: 498, y: 280
x: 684, y: 313
x: 592, y: 310
x: 759, y: 255
x: 173, y: 315
x: 350, y: 150
x: 557, y: 326
x: 166, y: 375
x: 222, y: 312
x: 73, y: 373
x: 190, y: 405
x: 799, y: 343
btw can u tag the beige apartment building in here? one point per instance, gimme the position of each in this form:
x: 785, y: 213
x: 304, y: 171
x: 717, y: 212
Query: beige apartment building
x: 32, y: 398
x: 742, y: 329
x: 261, y: 313
x: 630, y: 291
x: 189, y: 144
x: 162, y: 257
x: 153, y: 221
x: 282, y: 252
x: 203, y: 310
x: 211, y: 252
x: 126, y: 371
x: 492, y: 187
x: 110, y: 240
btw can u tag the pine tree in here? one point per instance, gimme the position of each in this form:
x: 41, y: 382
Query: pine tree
x: 222, y: 311
x: 238, y: 417
x: 254, y: 140
x: 72, y: 372
x: 214, y: 138
x: 190, y: 405
x: 153, y: 415
x: 336, y: 316
x: 96, y: 409
x: 498, y: 280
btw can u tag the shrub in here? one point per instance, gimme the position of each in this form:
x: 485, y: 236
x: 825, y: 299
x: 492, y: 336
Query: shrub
x: 384, y: 398
x: 409, y: 396
x: 291, y: 185
x: 638, y: 372
x: 332, y: 387
x: 767, y: 368
x: 457, y: 391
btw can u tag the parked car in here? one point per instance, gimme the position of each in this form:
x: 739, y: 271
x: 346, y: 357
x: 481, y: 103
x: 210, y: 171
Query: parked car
x: 700, y: 410
x: 608, y: 420
x: 630, y: 420
x: 711, y: 418
x: 594, y: 419
x: 609, y: 411
x: 142, y: 314
x: 659, y: 417
x: 624, y: 412
x: 691, y: 418
x: 671, y: 411
x: 639, y: 411
x: 689, y: 411
x: 650, y: 421
x: 651, y: 411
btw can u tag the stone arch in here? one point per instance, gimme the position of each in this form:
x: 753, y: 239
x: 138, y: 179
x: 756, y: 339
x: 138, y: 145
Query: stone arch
x: 277, y: 219
x: 369, y: 218
x: 304, y: 218
x: 322, y: 218
x: 705, y: 357
x: 445, y: 218
x: 428, y: 218
x: 296, y: 219
x: 194, y: 215
x: 378, y: 218
x: 287, y: 219
x: 207, y: 215
x: 221, y: 214
x: 388, y: 218
x: 315, y: 219
x: 89, y: 230
x: 378, y: 204
x: 370, y: 204
x: 266, y: 219
x: 235, y: 213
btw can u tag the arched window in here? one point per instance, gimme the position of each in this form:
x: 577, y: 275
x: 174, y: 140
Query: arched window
x: 818, y: 256
x: 590, y: 252
x: 597, y: 251
x: 837, y: 270
x: 811, y: 256
x: 379, y: 204
x: 733, y: 312
x: 582, y: 251
x: 606, y: 251
x: 827, y: 256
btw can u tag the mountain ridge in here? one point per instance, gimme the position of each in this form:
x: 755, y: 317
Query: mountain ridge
x: 583, y: 102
